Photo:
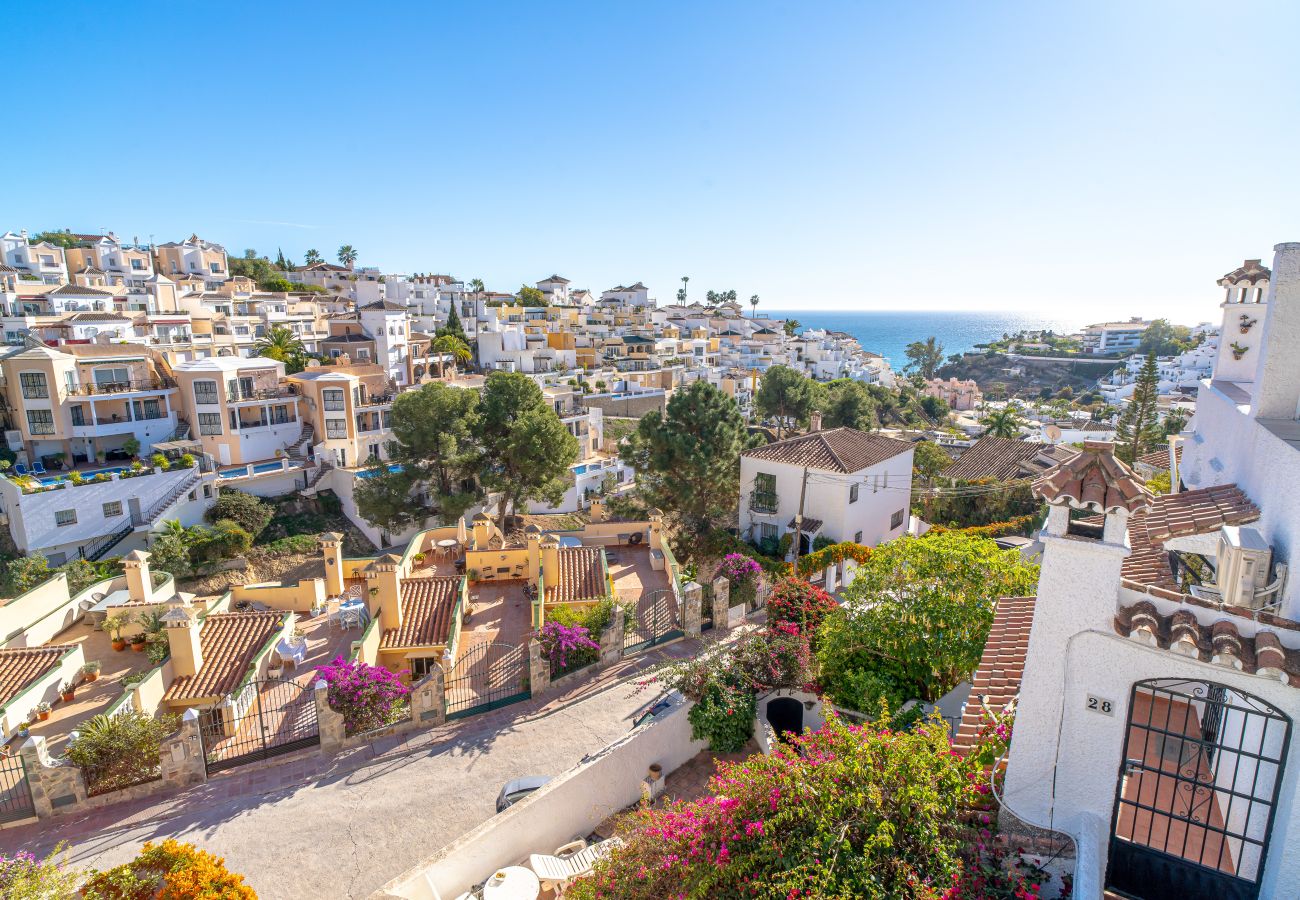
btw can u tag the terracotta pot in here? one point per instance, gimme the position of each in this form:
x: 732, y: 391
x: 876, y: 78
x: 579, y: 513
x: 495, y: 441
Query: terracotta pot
x: 119, y: 645
x: 68, y: 697
x: 138, y: 648
x: 91, y: 676
x: 43, y: 716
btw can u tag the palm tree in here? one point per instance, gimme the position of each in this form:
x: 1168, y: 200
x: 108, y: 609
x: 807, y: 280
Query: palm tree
x: 681, y: 295
x: 347, y: 255
x: 1004, y: 424
x: 753, y: 302
x: 476, y: 285
x: 280, y: 343
x: 454, y: 347
x: 313, y: 256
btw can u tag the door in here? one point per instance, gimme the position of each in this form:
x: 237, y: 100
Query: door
x: 785, y: 715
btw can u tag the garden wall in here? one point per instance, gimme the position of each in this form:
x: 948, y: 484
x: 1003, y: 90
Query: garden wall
x: 44, y: 689
x: 42, y: 612
x: 300, y: 597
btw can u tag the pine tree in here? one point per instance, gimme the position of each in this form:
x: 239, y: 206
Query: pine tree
x: 453, y: 326
x: 1139, y: 431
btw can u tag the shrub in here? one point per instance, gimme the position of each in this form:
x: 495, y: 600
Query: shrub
x: 251, y: 513
x: 170, y: 871
x: 743, y: 574
x: 367, y: 696
x: 119, y: 751
x: 800, y: 603
x: 158, y: 461
x: 24, y: 877
x: 131, y: 446
x: 567, y: 647
x: 187, y: 460
x: 821, y: 542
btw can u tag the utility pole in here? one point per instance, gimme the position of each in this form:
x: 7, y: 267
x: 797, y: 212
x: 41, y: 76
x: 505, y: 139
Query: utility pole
x: 798, y: 518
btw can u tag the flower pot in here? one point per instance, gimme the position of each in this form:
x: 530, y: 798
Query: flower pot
x: 67, y: 696
x: 119, y: 645
x: 656, y: 771
x: 24, y: 732
x: 138, y: 648
x: 91, y: 676
x: 42, y: 716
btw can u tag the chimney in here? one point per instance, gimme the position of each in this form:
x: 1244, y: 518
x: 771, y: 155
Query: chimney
x: 1277, y: 377
x: 815, y: 421
x: 139, y: 581
x: 183, y: 637
x: 533, y: 535
x: 331, y: 548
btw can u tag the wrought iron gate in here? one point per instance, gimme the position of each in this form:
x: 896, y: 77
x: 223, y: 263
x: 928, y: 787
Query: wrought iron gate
x: 487, y: 676
x: 1197, y: 792
x: 264, y: 718
x: 658, y: 618
x: 15, y: 792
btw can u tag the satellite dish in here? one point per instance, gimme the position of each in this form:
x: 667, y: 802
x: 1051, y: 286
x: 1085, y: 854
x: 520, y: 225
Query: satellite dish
x: 1053, y: 433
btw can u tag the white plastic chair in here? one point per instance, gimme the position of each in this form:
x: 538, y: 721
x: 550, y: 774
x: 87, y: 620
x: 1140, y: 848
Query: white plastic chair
x: 571, y: 861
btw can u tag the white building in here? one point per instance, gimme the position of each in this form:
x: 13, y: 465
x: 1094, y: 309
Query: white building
x: 1114, y: 337
x: 390, y: 327
x: 1161, y: 681
x: 41, y: 262
x: 858, y: 487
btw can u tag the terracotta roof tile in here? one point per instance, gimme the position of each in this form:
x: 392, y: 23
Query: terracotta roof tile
x: 427, y: 607
x: 1220, y: 643
x: 1095, y: 478
x: 21, y: 666
x: 229, y: 641
x: 1252, y: 270
x: 1005, y: 459
x: 997, y: 680
x: 809, y: 524
x: 581, y: 575
x: 1201, y: 511
x: 842, y: 450
x: 1158, y: 459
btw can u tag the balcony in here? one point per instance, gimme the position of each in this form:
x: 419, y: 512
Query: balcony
x: 239, y: 395
x: 122, y: 387
x: 380, y: 400
x: 763, y: 502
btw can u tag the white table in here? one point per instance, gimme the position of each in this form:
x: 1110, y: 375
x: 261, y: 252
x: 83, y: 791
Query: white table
x: 294, y: 653
x: 447, y: 546
x: 516, y: 883
x: 354, y: 612
x: 99, y: 612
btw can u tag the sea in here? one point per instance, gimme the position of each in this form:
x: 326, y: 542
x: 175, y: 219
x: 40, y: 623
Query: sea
x: 888, y: 332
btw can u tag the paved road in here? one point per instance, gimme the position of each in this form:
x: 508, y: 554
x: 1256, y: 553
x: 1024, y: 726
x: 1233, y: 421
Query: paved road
x: 313, y: 828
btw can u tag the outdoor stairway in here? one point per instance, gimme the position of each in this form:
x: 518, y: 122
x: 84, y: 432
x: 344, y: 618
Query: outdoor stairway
x: 298, y: 449
x: 153, y: 513
x: 318, y: 475
x: 182, y: 432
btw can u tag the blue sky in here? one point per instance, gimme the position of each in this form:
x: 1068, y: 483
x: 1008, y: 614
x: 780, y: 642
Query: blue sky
x: 1109, y: 157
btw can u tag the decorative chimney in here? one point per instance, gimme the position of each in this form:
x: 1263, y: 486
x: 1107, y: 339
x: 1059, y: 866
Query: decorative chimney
x: 331, y: 548
x: 533, y: 537
x: 815, y: 421
x: 184, y: 636
x: 384, y: 586
x: 139, y: 581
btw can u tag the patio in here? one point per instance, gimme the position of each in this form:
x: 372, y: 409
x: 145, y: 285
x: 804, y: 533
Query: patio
x: 325, y: 642
x: 633, y: 573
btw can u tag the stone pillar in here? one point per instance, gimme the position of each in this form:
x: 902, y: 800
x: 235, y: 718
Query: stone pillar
x: 692, y: 609
x: 611, y: 639
x: 539, y: 669
x: 428, y: 699
x: 330, y: 723
x: 331, y: 548
x: 57, y: 787
x: 721, y: 602
x: 181, y: 754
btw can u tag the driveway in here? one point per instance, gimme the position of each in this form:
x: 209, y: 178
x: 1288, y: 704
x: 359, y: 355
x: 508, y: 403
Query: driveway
x: 340, y: 828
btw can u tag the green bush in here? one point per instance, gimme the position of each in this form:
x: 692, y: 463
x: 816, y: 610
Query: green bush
x: 250, y: 513
x: 119, y: 751
x: 158, y: 461
x: 187, y: 460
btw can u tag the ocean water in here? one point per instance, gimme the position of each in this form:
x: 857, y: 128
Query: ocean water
x: 889, y: 332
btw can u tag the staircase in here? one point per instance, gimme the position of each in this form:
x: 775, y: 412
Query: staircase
x: 153, y: 513
x: 182, y: 432
x: 298, y: 449
x: 319, y: 474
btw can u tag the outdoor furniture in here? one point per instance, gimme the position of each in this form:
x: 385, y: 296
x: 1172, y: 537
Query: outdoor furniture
x: 38, y: 468
x: 447, y: 547
x: 352, y: 613
x: 99, y: 612
x: 571, y: 861
x: 332, y: 610
x: 291, y: 653
x: 512, y: 883
x: 20, y: 469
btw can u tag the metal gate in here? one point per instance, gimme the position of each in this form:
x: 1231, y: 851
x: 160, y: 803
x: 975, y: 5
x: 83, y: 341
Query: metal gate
x: 15, y: 792
x: 1196, y: 793
x: 657, y: 619
x: 706, y: 607
x: 487, y: 676
x: 265, y: 718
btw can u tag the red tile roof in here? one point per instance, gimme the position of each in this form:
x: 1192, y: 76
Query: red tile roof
x: 581, y: 575
x: 20, y: 666
x: 1158, y: 459
x: 229, y: 641
x: 997, y: 680
x: 1202, y: 511
x: 1005, y: 459
x: 1095, y: 478
x: 427, y: 607
x: 842, y: 450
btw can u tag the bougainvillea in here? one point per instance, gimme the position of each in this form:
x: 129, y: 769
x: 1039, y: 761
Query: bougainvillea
x: 743, y: 573
x: 169, y: 871
x: 800, y: 603
x: 367, y: 696
x: 25, y: 877
x: 847, y: 811
x: 567, y: 647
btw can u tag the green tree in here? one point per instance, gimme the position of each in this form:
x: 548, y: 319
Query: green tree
x: 753, y: 303
x: 456, y: 348
x: 924, y: 357
x: 1174, y: 422
x: 717, y: 298
x: 915, y: 619
x: 788, y: 396
x: 250, y: 513
x: 476, y: 285
x: 280, y: 343
x: 1163, y: 338
x: 433, y: 432
x: 1138, y: 431
x: 530, y: 296
x: 347, y: 255
x: 120, y: 750
x: 527, y: 450
x: 26, y: 572
x: 791, y: 327
x: 281, y: 263
x: 934, y: 407
x: 929, y: 459
x: 384, y: 500
x: 848, y: 403
x: 688, y: 457
x: 65, y: 239
x: 313, y: 256
x: 681, y: 292
x: 258, y: 268
x: 1003, y: 423
x: 453, y: 326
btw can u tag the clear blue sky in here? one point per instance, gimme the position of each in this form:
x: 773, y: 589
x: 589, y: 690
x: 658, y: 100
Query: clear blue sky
x: 1112, y: 157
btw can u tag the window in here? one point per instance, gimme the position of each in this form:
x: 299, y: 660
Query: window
x: 214, y: 268
x: 40, y: 421
x: 857, y: 537
x: 137, y: 265
x: 113, y: 376
x: 421, y: 666
x: 65, y: 517
x: 333, y: 399
x: 280, y: 414
x: 34, y: 385
x: 853, y: 492
x: 764, y: 497
x: 209, y: 423
x: 896, y: 520
x: 205, y: 394
x: 112, y: 508
x: 78, y: 415
x: 336, y: 428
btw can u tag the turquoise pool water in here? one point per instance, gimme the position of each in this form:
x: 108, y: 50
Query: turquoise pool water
x: 267, y: 467
x: 55, y: 479
x: 369, y: 473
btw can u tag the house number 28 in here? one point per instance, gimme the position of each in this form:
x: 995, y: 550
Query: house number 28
x: 1100, y: 705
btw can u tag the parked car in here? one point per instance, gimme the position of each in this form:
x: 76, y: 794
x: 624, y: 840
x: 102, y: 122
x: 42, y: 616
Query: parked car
x: 516, y: 790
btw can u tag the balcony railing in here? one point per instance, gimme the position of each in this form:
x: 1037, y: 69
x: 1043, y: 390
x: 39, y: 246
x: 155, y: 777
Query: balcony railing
x: 763, y: 501
x: 372, y: 400
x: 237, y: 394
x: 122, y: 387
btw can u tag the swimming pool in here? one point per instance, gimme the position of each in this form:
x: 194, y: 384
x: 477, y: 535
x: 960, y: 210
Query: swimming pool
x: 86, y: 475
x: 370, y: 473
x: 267, y: 467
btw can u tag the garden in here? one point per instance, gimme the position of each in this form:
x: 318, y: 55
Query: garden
x: 171, y: 870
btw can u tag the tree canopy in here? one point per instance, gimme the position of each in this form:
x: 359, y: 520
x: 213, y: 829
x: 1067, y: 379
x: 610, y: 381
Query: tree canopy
x: 848, y: 403
x: 1163, y: 338
x: 384, y: 499
x: 788, y: 396
x: 347, y: 255
x: 1003, y: 423
x: 280, y: 343
x: 924, y: 357
x: 1138, y: 431
x: 530, y: 296
x: 65, y: 239
x: 687, y: 459
x: 313, y: 256
x: 929, y: 459
x: 434, y: 440
x: 915, y: 619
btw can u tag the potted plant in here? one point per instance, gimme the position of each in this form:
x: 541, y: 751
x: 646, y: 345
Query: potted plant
x: 42, y: 710
x: 157, y: 647
x: 101, y: 457
x: 24, y: 729
x: 137, y: 466
x: 473, y: 574
x: 91, y: 670
x: 374, y: 592
x: 131, y: 446
x: 158, y: 461
x: 139, y: 642
x: 296, y: 637
x: 187, y: 460
x: 419, y: 559
x: 75, y: 477
x: 68, y: 692
x: 114, y: 625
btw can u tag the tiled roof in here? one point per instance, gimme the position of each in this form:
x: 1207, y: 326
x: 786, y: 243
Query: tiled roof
x: 581, y: 575
x: 809, y: 524
x: 19, y: 667
x: 1158, y: 459
x: 1095, y: 478
x: 1006, y: 459
x: 76, y: 290
x: 229, y: 642
x: 1202, y: 511
x: 997, y: 680
x: 427, y: 606
x: 385, y: 305
x: 843, y: 450
x: 1252, y: 270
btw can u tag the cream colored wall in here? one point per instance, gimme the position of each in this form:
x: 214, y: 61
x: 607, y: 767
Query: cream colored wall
x: 31, y: 619
x: 367, y: 649
x: 300, y: 597
x: 147, y: 695
x: 488, y: 561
